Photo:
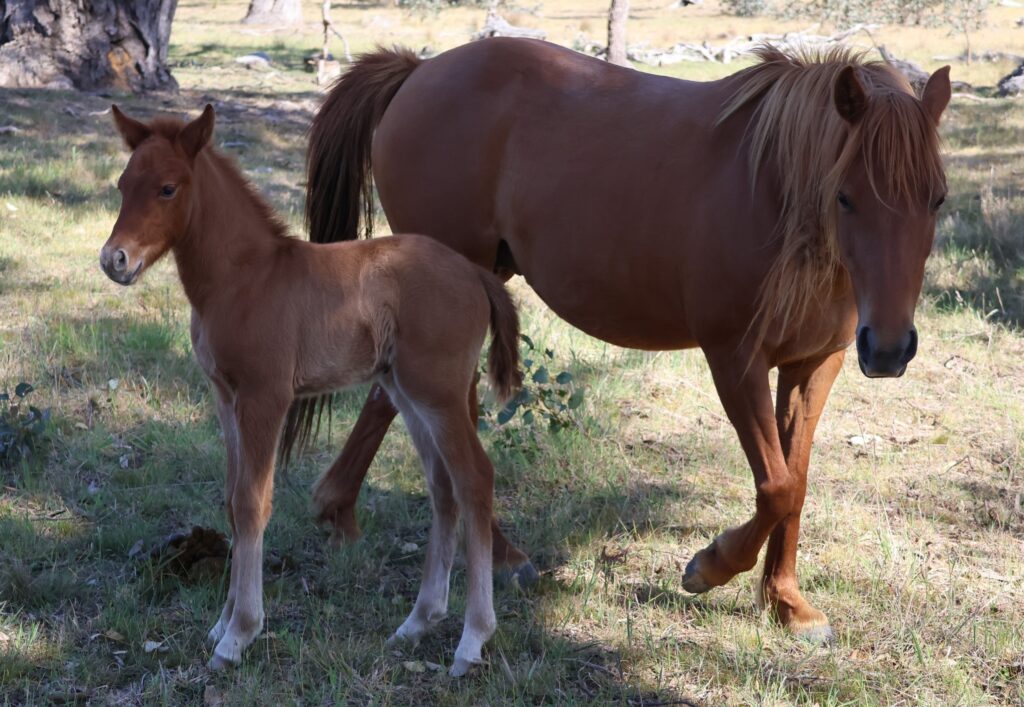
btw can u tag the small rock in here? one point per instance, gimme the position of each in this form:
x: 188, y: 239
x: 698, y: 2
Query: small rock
x: 1013, y: 83
x: 154, y: 647
x: 864, y: 440
x: 257, y: 61
x: 414, y: 666
x: 410, y: 547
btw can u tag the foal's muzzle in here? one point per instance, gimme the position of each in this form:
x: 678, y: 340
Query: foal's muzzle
x: 885, y: 361
x: 118, y: 266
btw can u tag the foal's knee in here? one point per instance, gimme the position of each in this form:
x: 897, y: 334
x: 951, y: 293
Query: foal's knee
x: 777, y: 497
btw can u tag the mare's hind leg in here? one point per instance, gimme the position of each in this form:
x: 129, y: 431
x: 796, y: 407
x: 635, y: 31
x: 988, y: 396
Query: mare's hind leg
x: 432, y: 601
x: 748, y: 402
x: 336, y: 492
x: 803, y: 390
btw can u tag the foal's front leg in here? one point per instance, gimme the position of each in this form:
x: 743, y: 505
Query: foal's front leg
x: 748, y: 402
x: 258, y: 419
x: 225, y: 413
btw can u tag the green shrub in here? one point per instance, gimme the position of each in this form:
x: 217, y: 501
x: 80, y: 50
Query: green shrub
x: 22, y: 426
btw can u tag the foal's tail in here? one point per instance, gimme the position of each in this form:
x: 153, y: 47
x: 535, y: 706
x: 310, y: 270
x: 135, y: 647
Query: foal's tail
x: 339, y: 183
x: 503, y: 358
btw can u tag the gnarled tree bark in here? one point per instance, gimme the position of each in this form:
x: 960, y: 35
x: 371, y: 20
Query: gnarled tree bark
x: 86, y: 45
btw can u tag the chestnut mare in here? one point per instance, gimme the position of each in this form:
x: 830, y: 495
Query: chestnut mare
x: 275, y: 319
x: 770, y: 218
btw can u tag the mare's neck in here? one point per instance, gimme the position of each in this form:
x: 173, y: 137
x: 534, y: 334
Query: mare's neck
x: 230, y: 232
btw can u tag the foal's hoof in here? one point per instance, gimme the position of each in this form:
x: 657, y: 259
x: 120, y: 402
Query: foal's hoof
x: 461, y: 667
x: 223, y: 662
x: 693, y: 580
x: 523, y: 577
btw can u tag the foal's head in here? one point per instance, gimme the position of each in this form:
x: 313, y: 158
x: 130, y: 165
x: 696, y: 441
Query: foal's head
x: 887, y: 191
x: 156, y: 191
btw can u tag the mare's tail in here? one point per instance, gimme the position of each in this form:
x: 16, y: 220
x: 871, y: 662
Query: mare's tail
x: 339, y: 185
x: 339, y: 182
x: 503, y: 358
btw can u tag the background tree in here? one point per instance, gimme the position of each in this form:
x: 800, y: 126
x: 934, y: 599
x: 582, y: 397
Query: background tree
x: 86, y: 45
x: 274, y: 12
x: 617, y: 16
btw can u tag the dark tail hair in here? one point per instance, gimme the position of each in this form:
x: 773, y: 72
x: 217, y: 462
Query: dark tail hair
x: 339, y: 182
x: 339, y: 185
x: 503, y: 358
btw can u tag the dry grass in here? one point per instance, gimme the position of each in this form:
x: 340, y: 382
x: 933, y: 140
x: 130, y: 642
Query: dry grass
x: 912, y: 544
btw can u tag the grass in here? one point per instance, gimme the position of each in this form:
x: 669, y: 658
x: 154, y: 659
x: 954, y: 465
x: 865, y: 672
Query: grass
x: 912, y: 543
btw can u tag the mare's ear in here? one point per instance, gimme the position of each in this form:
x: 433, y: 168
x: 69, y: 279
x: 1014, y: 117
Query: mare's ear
x: 131, y: 130
x: 194, y: 136
x: 849, y: 95
x: 937, y: 93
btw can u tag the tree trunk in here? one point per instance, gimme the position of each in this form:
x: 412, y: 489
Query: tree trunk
x: 617, y: 16
x: 274, y: 12
x: 119, y: 44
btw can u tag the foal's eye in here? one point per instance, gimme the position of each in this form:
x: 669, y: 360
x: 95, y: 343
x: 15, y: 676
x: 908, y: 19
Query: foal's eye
x: 844, y: 202
x: 168, y: 190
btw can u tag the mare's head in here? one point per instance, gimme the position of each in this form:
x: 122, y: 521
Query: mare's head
x: 156, y: 191
x: 886, y: 191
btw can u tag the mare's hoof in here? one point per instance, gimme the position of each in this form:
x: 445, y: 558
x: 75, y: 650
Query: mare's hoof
x: 821, y: 635
x: 693, y: 580
x: 523, y: 577
x: 461, y: 667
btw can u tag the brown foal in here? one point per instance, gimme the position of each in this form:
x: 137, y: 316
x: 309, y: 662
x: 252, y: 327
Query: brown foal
x: 275, y: 319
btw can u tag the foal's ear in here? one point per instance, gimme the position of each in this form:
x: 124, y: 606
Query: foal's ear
x: 937, y: 93
x: 131, y: 130
x: 194, y: 136
x: 849, y: 95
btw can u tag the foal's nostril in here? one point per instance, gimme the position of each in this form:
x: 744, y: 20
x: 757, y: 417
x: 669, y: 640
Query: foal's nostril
x: 120, y: 261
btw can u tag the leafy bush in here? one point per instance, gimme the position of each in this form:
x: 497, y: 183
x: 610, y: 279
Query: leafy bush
x: 745, y: 8
x: 22, y: 426
x: 547, y: 399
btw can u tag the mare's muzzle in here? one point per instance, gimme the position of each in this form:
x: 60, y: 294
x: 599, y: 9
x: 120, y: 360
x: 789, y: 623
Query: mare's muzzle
x: 885, y: 361
x: 117, y: 265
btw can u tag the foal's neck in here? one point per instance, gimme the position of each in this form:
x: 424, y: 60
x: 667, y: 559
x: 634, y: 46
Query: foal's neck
x: 231, y: 231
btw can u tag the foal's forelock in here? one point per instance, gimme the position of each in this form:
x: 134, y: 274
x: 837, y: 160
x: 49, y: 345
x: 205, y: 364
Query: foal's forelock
x: 796, y: 130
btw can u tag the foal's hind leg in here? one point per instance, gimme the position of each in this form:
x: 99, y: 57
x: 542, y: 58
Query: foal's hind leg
x: 511, y: 564
x: 472, y: 478
x: 432, y: 601
x: 802, y: 393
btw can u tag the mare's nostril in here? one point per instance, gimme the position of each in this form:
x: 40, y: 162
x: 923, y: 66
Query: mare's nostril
x: 120, y: 261
x: 911, y: 346
x: 864, y: 342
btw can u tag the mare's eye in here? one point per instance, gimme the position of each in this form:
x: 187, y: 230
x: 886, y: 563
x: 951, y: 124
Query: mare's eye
x: 168, y: 190
x: 844, y: 202
x: 940, y: 202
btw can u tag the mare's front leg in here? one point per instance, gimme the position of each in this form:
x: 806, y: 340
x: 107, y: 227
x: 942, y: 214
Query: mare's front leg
x: 258, y: 418
x: 803, y: 390
x: 748, y: 403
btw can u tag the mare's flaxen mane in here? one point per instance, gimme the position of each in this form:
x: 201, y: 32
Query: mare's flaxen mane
x: 796, y: 129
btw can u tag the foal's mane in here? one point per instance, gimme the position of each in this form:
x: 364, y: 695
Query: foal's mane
x: 226, y: 166
x: 796, y: 129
